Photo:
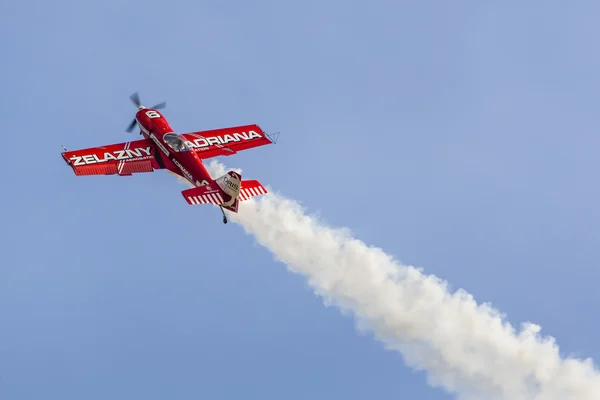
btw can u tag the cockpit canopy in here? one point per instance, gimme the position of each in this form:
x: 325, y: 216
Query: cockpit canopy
x: 175, y: 142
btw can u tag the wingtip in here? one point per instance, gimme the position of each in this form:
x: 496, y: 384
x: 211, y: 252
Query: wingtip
x: 273, y: 137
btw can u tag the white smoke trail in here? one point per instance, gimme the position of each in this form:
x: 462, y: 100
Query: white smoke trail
x: 465, y: 348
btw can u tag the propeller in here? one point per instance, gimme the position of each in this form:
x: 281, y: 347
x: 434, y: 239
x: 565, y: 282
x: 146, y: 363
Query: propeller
x: 135, y: 99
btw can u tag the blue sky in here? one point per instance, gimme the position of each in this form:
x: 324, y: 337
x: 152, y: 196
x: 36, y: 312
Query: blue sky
x: 458, y: 137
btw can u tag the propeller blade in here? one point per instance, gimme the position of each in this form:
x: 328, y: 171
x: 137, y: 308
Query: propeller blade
x: 160, y: 105
x: 131, y: 126
x: 135, y: 98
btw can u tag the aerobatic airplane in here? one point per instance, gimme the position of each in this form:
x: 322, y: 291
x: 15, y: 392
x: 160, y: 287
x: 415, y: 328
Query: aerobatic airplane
x: 181, y: 154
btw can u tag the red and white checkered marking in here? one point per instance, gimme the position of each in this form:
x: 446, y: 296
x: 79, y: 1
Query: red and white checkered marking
x: 212, y: 198
x: 247, y: 192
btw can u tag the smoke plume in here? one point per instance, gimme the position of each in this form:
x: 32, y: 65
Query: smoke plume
x: 465, y: 348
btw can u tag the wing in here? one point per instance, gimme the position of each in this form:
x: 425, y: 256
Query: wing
x: 226, y: 141
x: 121, y: 158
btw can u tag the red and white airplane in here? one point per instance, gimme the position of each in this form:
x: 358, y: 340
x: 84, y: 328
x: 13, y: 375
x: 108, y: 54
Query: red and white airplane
x: 181, y: 154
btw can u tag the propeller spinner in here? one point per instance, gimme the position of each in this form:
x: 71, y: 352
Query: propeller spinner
x: 135, y: 99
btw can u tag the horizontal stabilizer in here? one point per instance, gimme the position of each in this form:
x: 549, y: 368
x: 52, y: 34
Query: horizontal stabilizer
x: 208, y: 194
x: 250, y: 189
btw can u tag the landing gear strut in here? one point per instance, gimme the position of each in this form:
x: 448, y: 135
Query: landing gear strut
x: 224, y: 216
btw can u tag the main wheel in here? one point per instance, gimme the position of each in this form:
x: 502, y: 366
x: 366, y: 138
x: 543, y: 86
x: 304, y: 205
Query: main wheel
x: 224, y: 220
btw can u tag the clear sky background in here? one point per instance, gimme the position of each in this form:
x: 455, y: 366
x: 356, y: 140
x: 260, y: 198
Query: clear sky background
x: 461, y: 137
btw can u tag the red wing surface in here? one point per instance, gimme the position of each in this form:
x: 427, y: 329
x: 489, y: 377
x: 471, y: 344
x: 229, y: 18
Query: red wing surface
x: 226, y: 141
x: 121, y: 158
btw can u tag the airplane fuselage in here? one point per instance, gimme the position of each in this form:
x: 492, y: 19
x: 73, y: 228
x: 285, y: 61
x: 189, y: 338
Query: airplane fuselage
x: 172, y: 148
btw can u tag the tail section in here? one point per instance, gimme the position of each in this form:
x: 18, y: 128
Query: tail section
x: 226, y: 191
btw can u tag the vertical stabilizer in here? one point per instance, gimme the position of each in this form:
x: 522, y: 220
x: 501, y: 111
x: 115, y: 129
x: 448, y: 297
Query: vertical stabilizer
x: 230, y: 184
